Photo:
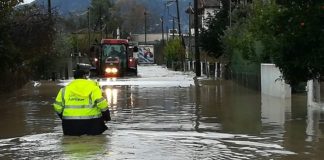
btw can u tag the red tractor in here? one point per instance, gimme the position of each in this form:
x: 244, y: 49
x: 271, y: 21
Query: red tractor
x: 114, y: 59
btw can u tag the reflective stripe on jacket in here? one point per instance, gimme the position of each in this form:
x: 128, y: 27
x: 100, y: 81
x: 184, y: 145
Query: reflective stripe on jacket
x: 80, y: 99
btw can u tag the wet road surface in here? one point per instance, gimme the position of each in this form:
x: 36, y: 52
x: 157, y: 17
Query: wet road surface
x: 163, y: 115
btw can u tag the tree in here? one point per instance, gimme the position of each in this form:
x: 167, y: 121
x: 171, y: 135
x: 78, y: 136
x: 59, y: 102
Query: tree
x: 251, y: 27
x: 174, y: 50
x: 291, y: 33
x: 7, y: 49
x: 133, y: 15
x: 105, y: 16
x: 6, y: 7
x: 210, y: 38
x: 298, y: 28
x: 26, y: 33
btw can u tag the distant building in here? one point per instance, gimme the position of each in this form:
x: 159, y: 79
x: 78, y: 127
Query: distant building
x: 150, y: 37
x: 205, y: 8
x: 173, y: 32
x: 208, y: 7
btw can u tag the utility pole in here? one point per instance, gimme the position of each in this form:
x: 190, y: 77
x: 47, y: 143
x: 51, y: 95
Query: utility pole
x: 100, y: 20
x: 162, y: 30
x: 49, y: 8
x: 167, y: 25
x: 45, y: 73
x: 189, y: 41
x: 173, y: 27
x: 145, y: 24
x: 89, y: 29
x: 167, y: 32
x: 179, y: 25
x: 106, y: 31
x: 197, y: 54
x: 230, y: 13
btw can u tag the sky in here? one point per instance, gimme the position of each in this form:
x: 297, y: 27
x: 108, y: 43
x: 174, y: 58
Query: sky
x: 27, y: 1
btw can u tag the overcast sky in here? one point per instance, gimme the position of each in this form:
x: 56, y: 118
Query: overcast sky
x: 27, y: 1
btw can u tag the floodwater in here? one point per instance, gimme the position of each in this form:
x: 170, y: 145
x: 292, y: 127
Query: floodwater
x: 164, y: 115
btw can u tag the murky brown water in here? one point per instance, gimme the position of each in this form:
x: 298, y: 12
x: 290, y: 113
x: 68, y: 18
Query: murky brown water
x: 218, y: 120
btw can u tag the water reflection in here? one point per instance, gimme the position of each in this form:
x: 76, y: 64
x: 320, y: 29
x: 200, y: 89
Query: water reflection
x: 111, y: 96
x: 221, y: 118
x: 218, y: 120
x: 28, y: 110
x: 275, y: 110
x: 55, y: 146
x: 84, y: 147
x: 229, y: 107
x: 313, y: 124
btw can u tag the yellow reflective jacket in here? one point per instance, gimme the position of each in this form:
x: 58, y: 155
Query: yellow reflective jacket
x: 80, y: 99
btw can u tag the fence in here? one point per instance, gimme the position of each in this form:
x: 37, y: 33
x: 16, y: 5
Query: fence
x: 217, y: 70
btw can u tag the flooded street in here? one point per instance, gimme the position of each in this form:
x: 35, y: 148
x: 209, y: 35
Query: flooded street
x: 164, y: 115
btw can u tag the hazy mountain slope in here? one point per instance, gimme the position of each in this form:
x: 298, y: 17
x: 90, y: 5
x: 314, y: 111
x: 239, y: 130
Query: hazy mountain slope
x: 156, y: 8
x: 65, y: 7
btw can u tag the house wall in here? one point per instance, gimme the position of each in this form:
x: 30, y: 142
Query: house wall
x: 206, y: 13
x: 271, y: 82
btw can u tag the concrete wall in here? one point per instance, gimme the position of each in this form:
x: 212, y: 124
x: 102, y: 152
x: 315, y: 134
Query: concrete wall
x: 271, y: 82
x: 314, y: 94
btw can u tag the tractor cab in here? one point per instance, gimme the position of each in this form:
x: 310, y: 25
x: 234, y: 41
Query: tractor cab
x: 115, y: 59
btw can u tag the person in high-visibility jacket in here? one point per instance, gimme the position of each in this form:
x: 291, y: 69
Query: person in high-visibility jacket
x: 82, y: 107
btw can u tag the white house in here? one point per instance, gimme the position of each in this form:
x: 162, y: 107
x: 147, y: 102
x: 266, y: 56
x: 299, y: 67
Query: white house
x: 208, y: 7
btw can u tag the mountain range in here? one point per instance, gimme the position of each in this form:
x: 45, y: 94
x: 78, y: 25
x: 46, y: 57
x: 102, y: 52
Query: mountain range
x: 157, y: 7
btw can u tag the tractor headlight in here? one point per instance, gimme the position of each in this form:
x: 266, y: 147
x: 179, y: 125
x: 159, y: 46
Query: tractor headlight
x: 111, y: 70
x: 114, y: 70
x: 108, y: 70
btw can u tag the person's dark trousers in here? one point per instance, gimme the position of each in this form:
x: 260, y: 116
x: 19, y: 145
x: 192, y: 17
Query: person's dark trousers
x: 83, y: 127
